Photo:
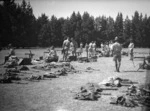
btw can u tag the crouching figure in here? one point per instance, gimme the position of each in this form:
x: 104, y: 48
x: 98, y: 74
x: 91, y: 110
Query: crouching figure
x: 52, y: 56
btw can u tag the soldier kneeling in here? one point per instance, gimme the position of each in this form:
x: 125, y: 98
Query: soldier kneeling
x: 52, y: 57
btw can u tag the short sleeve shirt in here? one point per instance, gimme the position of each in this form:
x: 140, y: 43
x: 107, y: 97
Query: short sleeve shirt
x: 131, y: 46
x: 66, y: 44
x: 116, y: 48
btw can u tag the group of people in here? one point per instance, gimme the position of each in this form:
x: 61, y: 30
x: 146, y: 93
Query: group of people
x: 92, y: 49
x: 68, y: 45
x: 106, y: 48
x: 71, y: 45
x: 109, y: 48
x: 114, y: 49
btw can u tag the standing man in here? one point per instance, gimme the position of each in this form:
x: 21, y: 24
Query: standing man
x: 90, y: 49
x: 131, y: 47
x: 81, y: 49
x: 66, y: 46
x: 110, y: 47
x: 73, y: 47
x: 116, y: 49
x: 94, y: 48
x: 87, y: 49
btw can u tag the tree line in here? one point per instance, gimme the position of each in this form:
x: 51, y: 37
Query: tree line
x: 21, y: 28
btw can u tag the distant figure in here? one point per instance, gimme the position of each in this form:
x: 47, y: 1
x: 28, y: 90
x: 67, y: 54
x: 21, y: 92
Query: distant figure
x: 52, y: 56
x: 80, y: 51
x: 116, y: 49
x: 130, y: 48
x: 110, y: 48
x: 87, y: 49
x: 106, y: 49
x: 53, y: 52
x: 102, y: 46
x: 90, y: 49
x: 94, y: 48
x: 102, y: 49
x: 81, y: 47
x: 11, y: 53
x: 66, y: 46
x: 73, y: 47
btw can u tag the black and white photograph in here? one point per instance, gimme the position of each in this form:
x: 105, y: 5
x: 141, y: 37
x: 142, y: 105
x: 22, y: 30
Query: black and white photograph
x: 74, y: 55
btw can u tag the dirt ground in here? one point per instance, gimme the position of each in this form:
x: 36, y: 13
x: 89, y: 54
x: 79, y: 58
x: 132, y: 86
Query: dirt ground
x: 57, y: 94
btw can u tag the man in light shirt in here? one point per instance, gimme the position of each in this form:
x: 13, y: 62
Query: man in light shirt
x: 73, y: 47
x: 66, y: 46
x: 110, y: 47
x: 131, y: 47
x: 116, y: 49
x: 90, y: 49
x: 94, y: 48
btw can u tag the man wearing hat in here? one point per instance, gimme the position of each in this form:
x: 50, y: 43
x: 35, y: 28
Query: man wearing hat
x: 116, y: 50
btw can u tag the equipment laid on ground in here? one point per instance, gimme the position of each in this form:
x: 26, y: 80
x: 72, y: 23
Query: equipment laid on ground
x: 26, y: 61
x: 145, y: 64
x: 72, y: 58
x: 91, y: 91
x: 30, y: 54
x: 83, y: 59
x: 51, y: 59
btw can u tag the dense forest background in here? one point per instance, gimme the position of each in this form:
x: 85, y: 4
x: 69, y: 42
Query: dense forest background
x: 19, y: 27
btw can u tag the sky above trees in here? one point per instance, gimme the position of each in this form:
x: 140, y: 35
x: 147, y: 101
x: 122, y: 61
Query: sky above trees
x: 64, y: 8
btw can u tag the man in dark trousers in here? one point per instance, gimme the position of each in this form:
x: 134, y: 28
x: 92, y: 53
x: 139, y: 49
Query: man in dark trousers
x: 116, y: 49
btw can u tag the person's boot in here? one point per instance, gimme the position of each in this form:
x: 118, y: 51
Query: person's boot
x: 118, y: 69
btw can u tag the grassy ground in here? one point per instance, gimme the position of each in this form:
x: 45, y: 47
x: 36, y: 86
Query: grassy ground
x: 57, y: 94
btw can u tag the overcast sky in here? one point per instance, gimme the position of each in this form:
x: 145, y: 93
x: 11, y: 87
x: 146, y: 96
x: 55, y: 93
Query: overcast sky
x: 64, y: 8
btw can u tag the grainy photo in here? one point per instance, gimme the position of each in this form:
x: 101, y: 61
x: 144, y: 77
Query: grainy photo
x: 74, y: 55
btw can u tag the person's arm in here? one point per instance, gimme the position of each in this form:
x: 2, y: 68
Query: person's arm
x: 50, y: 53
x: 132, y: 45
x: 121, y: 47
x: 129, y: 46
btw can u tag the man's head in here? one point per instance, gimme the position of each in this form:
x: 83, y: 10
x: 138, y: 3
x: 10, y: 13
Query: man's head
x: 131, y: 40
x: 116, y: 39
x: 68, y: 38
x: 52, y: 47
x: 72, y: 39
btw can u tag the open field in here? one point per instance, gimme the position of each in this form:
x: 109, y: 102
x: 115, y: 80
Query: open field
x: 57, y: 94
